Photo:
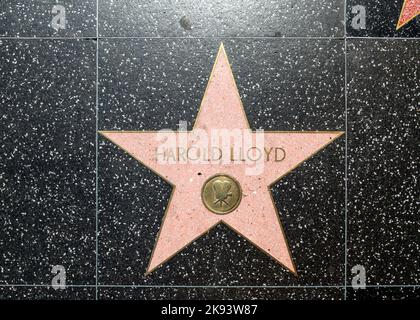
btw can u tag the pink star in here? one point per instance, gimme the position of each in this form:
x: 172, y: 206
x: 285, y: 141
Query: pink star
x: 410, y: 10
x: 255, y: 218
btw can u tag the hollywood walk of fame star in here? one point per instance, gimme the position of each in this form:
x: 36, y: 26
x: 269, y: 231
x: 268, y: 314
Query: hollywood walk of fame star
x: 409, y: 10
x: 253, y: 215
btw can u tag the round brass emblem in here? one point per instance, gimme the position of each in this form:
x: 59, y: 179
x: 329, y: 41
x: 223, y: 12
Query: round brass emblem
x: 221, y: 194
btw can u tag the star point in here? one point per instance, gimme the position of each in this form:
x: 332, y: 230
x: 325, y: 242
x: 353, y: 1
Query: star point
x: 409, y: 10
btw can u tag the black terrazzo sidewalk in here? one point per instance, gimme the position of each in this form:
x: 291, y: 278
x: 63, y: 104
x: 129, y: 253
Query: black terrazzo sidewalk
x: 69, y: 197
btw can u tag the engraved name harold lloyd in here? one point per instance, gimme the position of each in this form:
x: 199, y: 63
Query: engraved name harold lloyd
x: 220, y: 146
